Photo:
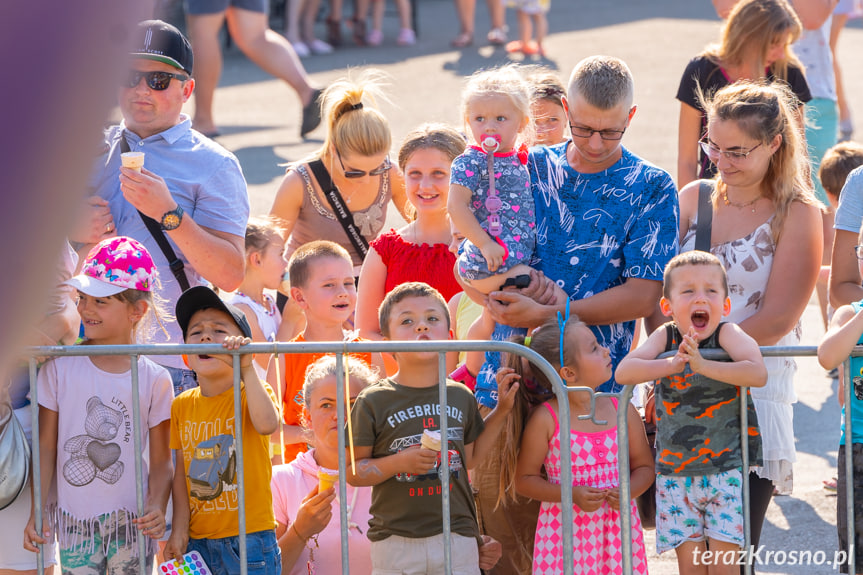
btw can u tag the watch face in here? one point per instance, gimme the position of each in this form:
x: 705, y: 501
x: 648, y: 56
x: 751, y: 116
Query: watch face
x: 171, y: 221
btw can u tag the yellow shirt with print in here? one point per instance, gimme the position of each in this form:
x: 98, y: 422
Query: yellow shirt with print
x: 203, y: 428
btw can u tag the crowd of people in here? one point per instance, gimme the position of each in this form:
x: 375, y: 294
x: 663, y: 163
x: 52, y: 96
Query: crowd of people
x: 536, y: 225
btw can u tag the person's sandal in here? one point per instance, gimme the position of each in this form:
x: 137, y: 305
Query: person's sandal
x: 406, y: 37
x: 514, y: 46
x: 334, y: 32
x: 463, y: 40
x: 831, y: 485
x: 359, y: 31
x: 497, y: 36
x: 531, y: 48
x: 375, y: 38
x: 311, y: 114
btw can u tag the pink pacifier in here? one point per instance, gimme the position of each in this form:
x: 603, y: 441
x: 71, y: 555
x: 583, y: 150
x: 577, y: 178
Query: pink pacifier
x: 492, y: 203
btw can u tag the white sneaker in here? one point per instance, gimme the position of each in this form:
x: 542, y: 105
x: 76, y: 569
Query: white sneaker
x: 301, y: 49
x: 320, y: 47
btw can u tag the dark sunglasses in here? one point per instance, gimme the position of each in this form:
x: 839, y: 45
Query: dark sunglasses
x: 155, y: 80
x: 360, y: 173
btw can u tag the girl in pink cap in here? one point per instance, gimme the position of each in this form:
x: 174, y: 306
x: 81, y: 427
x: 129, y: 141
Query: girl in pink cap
x: 88, y: 446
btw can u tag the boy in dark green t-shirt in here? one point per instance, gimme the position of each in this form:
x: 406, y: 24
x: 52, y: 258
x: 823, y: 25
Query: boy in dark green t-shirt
x: 389, y: 421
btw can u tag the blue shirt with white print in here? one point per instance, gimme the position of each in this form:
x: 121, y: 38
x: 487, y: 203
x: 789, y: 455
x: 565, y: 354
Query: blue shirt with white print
x: 596, y: 230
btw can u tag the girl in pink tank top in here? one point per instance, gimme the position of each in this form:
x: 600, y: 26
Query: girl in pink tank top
x: 571, y: 347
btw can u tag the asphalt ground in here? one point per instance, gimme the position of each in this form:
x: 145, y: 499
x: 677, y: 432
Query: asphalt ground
x: 259, y: 119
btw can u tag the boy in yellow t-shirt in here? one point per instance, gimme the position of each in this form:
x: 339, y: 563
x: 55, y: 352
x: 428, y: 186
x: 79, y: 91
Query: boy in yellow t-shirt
x: 323, y: 286
x: 205, y: 493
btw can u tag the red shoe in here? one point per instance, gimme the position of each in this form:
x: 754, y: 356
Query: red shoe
x: 514, y: 46
x: 531, y: 48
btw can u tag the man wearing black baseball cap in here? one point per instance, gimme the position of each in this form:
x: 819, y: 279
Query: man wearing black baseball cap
x: 188, y: 205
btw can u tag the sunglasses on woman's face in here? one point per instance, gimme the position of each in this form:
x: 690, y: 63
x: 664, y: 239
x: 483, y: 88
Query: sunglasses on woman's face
x: 360, y: 173
x: 155, y: 80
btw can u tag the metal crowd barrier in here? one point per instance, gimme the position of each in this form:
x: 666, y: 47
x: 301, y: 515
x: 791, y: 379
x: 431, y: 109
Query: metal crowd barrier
x: 441, y: 347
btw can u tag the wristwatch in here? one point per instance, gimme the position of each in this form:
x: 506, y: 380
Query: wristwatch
x: 171, y: 220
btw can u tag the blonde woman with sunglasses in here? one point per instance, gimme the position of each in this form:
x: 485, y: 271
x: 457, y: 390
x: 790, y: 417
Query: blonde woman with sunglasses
x: 355, y: 156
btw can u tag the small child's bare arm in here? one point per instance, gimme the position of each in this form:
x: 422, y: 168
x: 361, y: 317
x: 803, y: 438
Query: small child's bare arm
x: 642, y: 365
x: 262, y: 410
x: 746, y: 368
x: 179, y: 539
x: 464, y: 220
x: 845, y: 330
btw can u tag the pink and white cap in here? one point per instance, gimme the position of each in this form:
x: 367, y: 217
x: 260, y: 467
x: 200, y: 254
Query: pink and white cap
x: 115, y: 265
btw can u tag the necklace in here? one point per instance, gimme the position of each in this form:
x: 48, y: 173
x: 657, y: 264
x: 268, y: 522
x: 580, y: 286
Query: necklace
x: 740, y: 205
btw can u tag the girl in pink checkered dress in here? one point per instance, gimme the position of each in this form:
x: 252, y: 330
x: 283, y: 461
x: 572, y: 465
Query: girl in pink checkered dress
x: 571, y: 347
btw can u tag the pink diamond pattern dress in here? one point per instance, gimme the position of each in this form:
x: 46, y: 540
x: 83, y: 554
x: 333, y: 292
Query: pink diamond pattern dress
x: 596, y: 535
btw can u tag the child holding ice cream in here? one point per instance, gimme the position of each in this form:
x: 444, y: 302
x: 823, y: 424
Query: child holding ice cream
x: 389, y: 423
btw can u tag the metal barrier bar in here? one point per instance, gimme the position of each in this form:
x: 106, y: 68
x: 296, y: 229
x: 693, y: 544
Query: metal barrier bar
x: 623, y: 472
x: 341, y: 406
x: 240, y: 466
x: 849, y: 467
x: 442, y: 347
x: 443, y: 470
x: 139, y: 464
x: 743, y: 395
x: 37, y: 467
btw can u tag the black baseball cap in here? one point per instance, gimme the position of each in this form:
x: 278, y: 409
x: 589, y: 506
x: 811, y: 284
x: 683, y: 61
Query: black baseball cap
x: 162, y: 42
x: 201, y: 297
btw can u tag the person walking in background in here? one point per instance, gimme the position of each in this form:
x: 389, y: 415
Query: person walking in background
x: 466, y: 10
x: 247, y: 24
x: 845, y: 10
x: 300, y: 28
x: 755, y: 43
x: 531, y: 18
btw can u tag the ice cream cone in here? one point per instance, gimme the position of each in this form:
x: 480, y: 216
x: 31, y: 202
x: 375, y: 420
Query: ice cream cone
x: 133, y: 160
x: 327, y: 478
x: 431, y: 440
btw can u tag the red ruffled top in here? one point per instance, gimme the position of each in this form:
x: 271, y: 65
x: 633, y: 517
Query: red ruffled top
x: 407, y: 262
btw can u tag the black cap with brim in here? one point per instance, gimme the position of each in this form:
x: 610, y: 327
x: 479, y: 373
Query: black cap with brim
x: 201, y: 297
x: 162, y: 42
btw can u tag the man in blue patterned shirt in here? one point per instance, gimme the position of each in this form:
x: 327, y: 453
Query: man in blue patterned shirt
x: 607, y: 221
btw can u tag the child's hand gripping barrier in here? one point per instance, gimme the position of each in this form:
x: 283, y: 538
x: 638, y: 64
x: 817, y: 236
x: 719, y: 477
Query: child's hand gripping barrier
x: 191, y: 564
x: 492, y: 203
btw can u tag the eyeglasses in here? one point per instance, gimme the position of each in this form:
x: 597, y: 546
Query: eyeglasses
x: 733, y: 156
x: 155, y: 80
x: 582, y: 132
x: 858, y: 250
x: 360, y: 173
